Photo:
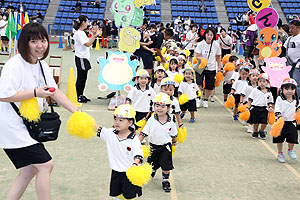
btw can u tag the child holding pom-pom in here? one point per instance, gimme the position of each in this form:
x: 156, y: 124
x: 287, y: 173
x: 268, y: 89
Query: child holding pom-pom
x: 236, y: 74
x: 181, y: 63
x: 124, y: 151
x: 159, y: 74
x: 173, y: 70
x: 141, y: 95
x: 227, y: 77
x: 286, y: 106
x: 162, y: 135
x: 260, y: 101
x: 189, y: 87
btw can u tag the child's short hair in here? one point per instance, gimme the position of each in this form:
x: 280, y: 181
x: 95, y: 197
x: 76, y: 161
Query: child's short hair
x: 233, y: 58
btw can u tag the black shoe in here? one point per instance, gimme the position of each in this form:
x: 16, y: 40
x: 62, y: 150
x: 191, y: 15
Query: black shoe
x: 166, y: 186
x: 263, y: 135
x: 87, y: 99
x: 81, y: 99
x: 255, y: 135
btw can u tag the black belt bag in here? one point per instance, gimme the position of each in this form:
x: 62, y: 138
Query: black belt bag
x: 47, y: 128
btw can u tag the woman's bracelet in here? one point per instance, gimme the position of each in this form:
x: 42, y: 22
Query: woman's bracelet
x: 34, y: 92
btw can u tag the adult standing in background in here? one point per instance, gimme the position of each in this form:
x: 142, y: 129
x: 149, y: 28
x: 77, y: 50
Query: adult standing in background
x: 187, y: 23
x: 225, y: 42
x: 82, y: 54
x: 21, y: 8
x: 191, y: 40
x: 4, y: 38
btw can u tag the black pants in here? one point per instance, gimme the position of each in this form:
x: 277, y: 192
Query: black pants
x: 82, y: 65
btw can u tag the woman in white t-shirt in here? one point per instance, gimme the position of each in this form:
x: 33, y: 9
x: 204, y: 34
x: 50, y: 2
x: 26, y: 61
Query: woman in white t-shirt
x: 82, y: 53
x: 4, y: 38
x: 209, y: 49
x: 191, y: 39
x: 22, y: 79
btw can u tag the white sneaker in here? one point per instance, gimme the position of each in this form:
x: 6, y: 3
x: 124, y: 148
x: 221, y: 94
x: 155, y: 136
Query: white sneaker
x: 250, y: 129
x: 244, y: 123
x: 212, y: 99
x: 198, y: 102
x: 205, y: 104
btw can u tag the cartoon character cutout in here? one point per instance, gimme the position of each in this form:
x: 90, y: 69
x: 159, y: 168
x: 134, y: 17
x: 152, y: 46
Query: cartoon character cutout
x: 139, y: 3
x: 117, y: 71
x: 125, y: 13
x: 129, y: 39
x: 268, y: 44
x: 277, y: 70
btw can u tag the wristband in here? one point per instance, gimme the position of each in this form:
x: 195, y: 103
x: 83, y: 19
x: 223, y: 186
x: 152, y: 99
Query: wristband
x: 34, y: 92
x: 180, y: 125
x: 135, y: 164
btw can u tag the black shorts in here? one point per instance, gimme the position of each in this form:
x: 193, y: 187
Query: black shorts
x: 82, y: 63
x: 209, y: 78
x: 225, y: 51
x: 289, y: 133
x: 199, y: 79
x: 176, y: 92
x: 258, y: 115
x: 119, y: 184
x: 226, y: 88
x: 247, y: 52
x: 237, y: 98
x: 34, y: 154
x: 190, y: 106
x: 140, y: 115
x: 191, y: 52
x: 147, y: 60
x: 161, y: 156
x: 4, y: 38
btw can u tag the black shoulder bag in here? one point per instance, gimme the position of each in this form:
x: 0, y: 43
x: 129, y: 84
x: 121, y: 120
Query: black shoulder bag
x: 47, y: 128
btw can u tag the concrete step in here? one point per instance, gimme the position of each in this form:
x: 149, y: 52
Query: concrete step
x: 107, y: 13
x: 51, y: 13
x: 222, y: 13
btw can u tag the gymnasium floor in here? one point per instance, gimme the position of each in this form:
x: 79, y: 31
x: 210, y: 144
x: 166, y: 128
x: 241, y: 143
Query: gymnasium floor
x: 218, y: 160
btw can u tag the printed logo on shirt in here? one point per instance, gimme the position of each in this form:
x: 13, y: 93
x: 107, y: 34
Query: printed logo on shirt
x: 149, y: 94
x: 206, y: 52
x: 128, y: 149
x: 169, y: 129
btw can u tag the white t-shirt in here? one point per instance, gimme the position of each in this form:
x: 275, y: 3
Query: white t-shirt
x: 140, y: 100
x: 246, y: 91
x: 156, y: 88
x: 286, y: 109
x: 19, y: 75
x: 188, y: 88
x: 121, y: 152
x: 293, y: 50
x: 187, y: 24
x: 235, y: 76
x: 158, y: 133
x: 192, y: 44
x: 3, y: 30
x: 203, y: 50
x: 227, y: 40
x: 259, y: 98
x: 171, y: 75
x: 81, y: 51
x: 227, y: 77
x: 239, y: 85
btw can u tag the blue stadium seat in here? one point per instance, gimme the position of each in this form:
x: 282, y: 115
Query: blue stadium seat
x: 59, y: 14
x: 57, y: 20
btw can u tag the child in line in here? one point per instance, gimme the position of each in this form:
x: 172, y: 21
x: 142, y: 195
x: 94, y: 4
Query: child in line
x: 227, y: 84
x: 159, y: 74
x: 189, y: 86
x: 238, y: 87
x: 286, y: 106
x: 173, y: 70
x: 236, y: 74
x: 181, y: 63
x: 162, y: 134
x: 253, y: 77
x: 168, y: 87
x: 141, y: 95
x: 124, y: 150
x: 260, y: 102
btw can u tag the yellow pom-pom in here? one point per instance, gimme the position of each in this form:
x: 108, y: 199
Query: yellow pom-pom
x: 146, y: 151
x: 157, y: 58
x: 297, y: 116
x: 242, y: 108
x: 168, y: 58
x: 163, y: 50
x: 173, y: 149
x: 217, y: 83
x: 139, y: 175
x: 203, y: 63
x: 82, y: 125
x: 183, y: 99
x: 225, y: 59
x: 30, y: 110
x: 195, y: 61
x: 190, y: 64
x: 181, y: 135
x: 245, y: 115
x: 187, y: 52
x: 219, y: 76
x: 271, y: 118
x: 178, y: 78
x: 230, y: 103
x: 166, y: 66
x: 277, y: 127
x: 229, y: 67
x: 141, y: 124
x: 199, y: 93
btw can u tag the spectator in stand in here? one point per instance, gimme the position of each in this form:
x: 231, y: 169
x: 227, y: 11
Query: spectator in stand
x: 202, y: 6
x: 187, y: 23
x: 239, y: 19
x: 10, y: 7
x: 225, y: 42
x: 4, y: 38
x: 146, y: 20
x: 283, y: 33
x: 179, y: 30
x: 21, y: 8
x: 176, y: 21
x: 153, y: 29
x: 78, y: 7
x: 161, y: 26
x: 114, y: 34
x: 245, y: 21
x: 38, y: 17
x: 97, y: 3
x: 229, y: 31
